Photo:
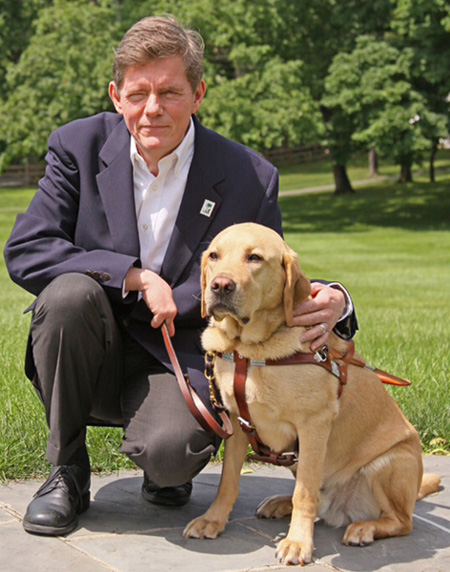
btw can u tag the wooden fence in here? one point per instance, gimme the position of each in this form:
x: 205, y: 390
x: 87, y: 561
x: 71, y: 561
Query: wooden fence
x: 295, y: 155
x: 18, y: 175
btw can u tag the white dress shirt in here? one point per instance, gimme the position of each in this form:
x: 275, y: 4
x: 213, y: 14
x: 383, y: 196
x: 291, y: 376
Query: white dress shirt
x: 158, y: 199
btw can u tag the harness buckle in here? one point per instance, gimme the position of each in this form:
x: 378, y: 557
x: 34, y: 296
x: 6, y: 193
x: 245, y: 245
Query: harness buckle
x: 246, y: 425
x: 321, y: 355
x: 290, y: 457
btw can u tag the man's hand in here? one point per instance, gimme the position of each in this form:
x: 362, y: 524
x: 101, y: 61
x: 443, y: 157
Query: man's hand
x: 320, y: 314
x: 157, y: 294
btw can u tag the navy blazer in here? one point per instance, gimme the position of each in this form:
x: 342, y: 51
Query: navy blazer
x: 83, y: 219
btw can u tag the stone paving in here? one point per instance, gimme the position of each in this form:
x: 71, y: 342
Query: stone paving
x: 122, y: 533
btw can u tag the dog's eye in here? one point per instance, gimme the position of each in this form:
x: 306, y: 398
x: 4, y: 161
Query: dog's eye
x: 255, y: 258
x: 213, y: 256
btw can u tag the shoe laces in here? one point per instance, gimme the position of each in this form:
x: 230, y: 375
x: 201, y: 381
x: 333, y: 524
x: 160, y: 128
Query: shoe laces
x: 61, y: 479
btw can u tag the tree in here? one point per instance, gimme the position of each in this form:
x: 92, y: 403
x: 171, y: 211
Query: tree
x: 424, y: 26
x: 279, y: 112
x: 369, y: 92
x: 16, y: 17
x: 62, y: 74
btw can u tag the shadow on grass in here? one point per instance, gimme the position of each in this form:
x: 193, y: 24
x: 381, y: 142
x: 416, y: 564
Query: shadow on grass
x: 415, y: 206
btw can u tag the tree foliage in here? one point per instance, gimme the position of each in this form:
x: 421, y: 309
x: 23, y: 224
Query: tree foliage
x: 371, y: 90
x: 62, y: 74
x: 351, y: 75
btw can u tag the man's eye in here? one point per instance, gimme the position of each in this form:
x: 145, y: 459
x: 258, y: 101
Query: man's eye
x: 169, y: 93
x: 255, y: 258
x: 137, y: 96
x: 213, y: 256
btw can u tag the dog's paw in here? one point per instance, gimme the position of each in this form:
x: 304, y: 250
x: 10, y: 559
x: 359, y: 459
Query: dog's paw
x: 359, y: 534
x: 202, y: 528
x: 275, y: 507
x: 293, y: 553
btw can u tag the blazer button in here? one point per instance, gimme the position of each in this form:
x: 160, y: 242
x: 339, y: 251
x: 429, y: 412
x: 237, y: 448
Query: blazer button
x: 89, y: 273
x: 106, y: 277
x: 96, y: 275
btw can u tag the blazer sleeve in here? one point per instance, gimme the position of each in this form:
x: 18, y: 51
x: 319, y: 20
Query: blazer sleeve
x: 44, y: 243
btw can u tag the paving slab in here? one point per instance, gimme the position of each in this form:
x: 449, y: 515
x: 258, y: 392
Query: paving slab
x: 122, y: 533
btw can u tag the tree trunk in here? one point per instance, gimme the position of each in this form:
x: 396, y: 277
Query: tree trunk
x: 373, y: 163
x: 432, y: 158
x: 405, y: 172
x: 341, y: 180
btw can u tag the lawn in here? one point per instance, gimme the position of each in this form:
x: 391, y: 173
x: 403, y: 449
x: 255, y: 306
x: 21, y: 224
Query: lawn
x: 388, y: 243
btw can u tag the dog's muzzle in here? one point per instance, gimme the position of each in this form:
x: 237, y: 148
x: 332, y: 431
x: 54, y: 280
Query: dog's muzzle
x: 222, y: 298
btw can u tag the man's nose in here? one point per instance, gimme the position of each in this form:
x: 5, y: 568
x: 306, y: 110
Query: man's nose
x: 153, y: 105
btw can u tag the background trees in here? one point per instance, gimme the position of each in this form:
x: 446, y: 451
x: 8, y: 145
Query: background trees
x: 350, y: 75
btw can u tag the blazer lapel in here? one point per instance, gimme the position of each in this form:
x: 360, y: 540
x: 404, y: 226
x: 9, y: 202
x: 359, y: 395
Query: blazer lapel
x: 200, y: 204
x: 115, y: 184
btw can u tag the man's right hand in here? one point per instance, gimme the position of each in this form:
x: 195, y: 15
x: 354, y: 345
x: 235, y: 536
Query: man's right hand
x: 157, y: 294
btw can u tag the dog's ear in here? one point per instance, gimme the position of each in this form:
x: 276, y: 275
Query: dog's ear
x: 297, y: 287
x: 203, y: 282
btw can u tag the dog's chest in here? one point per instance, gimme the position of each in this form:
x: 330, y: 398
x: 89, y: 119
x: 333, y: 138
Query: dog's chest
x: 264, y: 401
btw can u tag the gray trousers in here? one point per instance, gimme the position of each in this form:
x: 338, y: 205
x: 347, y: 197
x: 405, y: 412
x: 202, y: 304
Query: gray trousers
x: 87, y: 367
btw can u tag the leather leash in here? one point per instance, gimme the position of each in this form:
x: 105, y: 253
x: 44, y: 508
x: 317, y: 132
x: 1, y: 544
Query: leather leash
x: 193, y: 401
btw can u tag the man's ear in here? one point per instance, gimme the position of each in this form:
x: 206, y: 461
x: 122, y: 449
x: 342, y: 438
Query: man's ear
x: 297, y: 287
x: 199, y: 96
x: 115, y: 97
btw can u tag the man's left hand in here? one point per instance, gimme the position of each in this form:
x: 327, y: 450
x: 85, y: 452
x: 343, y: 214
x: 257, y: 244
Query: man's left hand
x: 320, y: 314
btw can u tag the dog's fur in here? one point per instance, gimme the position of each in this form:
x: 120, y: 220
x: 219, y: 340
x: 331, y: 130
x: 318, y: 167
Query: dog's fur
x: 360, y: 460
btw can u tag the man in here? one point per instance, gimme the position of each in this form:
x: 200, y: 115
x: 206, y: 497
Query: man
x: 111, y: 247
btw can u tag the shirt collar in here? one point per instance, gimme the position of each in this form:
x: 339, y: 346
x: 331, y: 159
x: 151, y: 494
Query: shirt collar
x: 180, y: 156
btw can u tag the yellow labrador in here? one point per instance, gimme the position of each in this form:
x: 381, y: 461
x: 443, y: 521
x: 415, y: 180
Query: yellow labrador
x: 360, y: 460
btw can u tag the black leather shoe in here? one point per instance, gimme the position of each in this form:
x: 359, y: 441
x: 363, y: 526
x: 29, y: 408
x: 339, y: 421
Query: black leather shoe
x: 168, y: 496
x: 54, y: 508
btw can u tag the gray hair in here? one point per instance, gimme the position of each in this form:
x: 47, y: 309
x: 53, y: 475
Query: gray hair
x: 156, y: 37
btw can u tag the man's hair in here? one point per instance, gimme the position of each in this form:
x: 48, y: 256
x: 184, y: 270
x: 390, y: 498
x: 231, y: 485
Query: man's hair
x: 153, y: 38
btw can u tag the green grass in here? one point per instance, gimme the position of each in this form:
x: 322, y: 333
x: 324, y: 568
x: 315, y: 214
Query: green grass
x: 390, y: 246
x: 388, y: 243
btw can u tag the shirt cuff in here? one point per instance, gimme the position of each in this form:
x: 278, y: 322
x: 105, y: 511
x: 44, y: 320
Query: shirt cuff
x: 348, y: 309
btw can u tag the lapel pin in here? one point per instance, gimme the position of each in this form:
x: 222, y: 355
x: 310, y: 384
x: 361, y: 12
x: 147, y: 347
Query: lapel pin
x: 207, y: 208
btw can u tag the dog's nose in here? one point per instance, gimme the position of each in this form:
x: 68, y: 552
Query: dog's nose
x: 223, y: 285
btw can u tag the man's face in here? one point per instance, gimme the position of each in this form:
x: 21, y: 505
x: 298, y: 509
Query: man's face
x: 157, y: 101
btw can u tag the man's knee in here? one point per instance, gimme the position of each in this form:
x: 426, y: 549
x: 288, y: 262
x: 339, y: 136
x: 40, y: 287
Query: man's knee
x: 68, y: 297
x: 172, y: 459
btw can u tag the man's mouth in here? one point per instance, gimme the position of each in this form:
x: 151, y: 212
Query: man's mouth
x: 151, y: 128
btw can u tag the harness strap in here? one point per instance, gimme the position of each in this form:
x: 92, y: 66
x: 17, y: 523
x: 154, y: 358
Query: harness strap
x: 333, y: 361
x: 263, y: 453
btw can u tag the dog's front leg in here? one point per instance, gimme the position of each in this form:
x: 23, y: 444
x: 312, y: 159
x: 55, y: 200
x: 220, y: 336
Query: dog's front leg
x: 298, y: 546
x: 213, y: 522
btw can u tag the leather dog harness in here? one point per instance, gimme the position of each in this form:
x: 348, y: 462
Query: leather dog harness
x: 335, y: 362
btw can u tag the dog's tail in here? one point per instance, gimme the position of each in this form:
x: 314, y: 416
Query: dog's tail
x: 430, y: 484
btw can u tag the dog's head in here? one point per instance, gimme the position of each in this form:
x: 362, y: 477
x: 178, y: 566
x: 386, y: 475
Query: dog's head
x: 248, y: 272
